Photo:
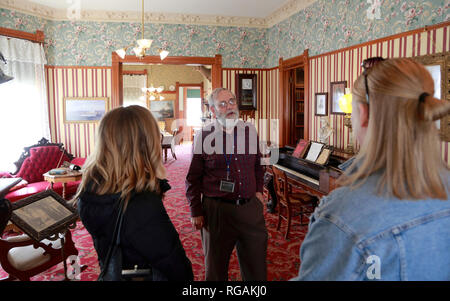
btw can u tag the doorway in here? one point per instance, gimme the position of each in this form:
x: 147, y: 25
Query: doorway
x: 117, y: 70
x: 193, y: 110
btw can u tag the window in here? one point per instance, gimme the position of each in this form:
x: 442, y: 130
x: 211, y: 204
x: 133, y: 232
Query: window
x: 23, y: 100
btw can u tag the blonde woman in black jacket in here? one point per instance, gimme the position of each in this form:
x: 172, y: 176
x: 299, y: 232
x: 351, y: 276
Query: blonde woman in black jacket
x: 127, y: 164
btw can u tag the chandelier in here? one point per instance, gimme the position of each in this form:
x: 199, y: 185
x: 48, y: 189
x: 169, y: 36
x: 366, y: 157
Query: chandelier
x: 142, y: 45
x: 153, y: 93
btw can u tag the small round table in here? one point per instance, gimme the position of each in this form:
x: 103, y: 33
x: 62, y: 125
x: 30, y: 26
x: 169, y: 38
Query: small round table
x: 70, y: 176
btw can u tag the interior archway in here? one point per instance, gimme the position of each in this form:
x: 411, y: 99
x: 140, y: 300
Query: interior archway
x: 117, y: 62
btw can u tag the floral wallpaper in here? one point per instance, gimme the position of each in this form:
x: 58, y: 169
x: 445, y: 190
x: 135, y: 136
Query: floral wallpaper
x: 328, y: 25
x: 324, y: 26
x: 91, y: 43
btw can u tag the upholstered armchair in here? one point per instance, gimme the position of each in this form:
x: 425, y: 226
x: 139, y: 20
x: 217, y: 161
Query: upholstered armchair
x: 33, y: 163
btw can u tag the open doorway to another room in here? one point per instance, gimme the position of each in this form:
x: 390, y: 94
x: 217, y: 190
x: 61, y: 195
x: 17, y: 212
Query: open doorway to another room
x: 193, y: 98
x: 179, y: 100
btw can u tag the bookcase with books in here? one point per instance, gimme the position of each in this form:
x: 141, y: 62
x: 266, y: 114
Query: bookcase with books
x: 294, y: 99
x: 299, y: 103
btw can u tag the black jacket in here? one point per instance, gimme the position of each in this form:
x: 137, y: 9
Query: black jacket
x: 148, y: 236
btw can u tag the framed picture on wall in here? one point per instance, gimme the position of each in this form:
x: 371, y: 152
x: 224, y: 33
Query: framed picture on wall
x: 246, y: 91
x: 321, y: 104
x: 84, y: 109
x: 162, y: 109
x: 337, y: 91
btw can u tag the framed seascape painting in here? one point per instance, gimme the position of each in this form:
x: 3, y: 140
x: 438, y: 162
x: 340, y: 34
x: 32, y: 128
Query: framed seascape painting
x: 321, y: 104
x: 337, y: 91
x: 84, y: 109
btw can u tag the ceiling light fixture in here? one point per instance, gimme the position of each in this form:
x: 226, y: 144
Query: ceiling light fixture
x: 142, y: 45
x: 153, y: 93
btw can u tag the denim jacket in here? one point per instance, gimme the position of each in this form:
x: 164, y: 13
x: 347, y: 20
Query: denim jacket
x: 359, y: 235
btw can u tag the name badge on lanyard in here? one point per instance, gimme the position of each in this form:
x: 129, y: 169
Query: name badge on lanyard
x: 227, y: 185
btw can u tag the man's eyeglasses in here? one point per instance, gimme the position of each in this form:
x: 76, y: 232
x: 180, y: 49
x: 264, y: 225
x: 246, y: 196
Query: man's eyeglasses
x: 224, y: 104
x: 367, y: 64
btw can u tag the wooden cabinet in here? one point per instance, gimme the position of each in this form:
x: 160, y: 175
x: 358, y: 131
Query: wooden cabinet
x: 294, y: 105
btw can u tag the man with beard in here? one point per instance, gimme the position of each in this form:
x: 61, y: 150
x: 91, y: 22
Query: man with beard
x: 224, y: 188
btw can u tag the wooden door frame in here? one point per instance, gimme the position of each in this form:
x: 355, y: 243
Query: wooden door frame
x: 284, y: 106
x: 117, y: 62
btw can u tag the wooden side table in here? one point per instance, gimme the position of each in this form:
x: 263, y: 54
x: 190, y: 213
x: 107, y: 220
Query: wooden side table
x: 70, y: 176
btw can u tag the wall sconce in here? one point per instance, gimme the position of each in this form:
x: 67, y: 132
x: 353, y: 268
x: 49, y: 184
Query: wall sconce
x: 345, y: 104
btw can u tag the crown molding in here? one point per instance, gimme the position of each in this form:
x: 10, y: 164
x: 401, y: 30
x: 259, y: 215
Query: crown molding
x: 41, y: 11
x: 290, y: 8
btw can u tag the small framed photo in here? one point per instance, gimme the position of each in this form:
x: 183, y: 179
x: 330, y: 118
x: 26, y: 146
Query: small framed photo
x: 246, y: 91
x: 337, y: 91
x: 84, y: 109
x: 321, y: 105
x: 43, y: 215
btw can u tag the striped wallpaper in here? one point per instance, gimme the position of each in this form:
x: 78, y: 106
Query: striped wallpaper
x: 78, y: 138
x: 345, y: 66
x: 266, y: 115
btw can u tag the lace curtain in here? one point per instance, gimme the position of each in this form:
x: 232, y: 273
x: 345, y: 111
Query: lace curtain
x: 132, y: 93
x: 24, y: 115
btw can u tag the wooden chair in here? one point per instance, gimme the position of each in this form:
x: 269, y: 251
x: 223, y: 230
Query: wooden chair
x: 23, y: 257
x: 300, y: 202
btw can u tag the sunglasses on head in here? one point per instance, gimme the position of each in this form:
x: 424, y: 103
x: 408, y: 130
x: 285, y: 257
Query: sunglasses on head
x: 367, y: 64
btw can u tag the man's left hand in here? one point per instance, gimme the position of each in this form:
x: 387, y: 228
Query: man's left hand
x: 260, y: 197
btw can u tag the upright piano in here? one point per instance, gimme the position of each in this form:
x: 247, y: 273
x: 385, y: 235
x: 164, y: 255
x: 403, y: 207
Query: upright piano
x: 309, y: 177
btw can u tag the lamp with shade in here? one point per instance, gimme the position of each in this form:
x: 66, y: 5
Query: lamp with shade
x: 345, y: 104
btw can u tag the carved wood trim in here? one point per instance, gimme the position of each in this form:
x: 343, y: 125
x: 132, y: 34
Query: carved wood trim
x: 42, y: 142
x: 37, y: 37
x: 134, y: 72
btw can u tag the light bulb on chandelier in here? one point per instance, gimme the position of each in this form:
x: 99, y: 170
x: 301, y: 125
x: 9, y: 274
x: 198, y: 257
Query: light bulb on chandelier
x: 142, y: 45
x: 153, y: 93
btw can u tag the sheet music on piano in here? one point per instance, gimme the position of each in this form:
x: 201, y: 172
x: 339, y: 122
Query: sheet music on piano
x: 314, y: 151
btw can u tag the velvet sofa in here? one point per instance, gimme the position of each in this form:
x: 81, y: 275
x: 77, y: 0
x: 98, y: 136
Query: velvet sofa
x: 33, y: 163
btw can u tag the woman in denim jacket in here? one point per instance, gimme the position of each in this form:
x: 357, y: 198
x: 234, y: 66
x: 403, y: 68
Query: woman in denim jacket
x: 390, y: 219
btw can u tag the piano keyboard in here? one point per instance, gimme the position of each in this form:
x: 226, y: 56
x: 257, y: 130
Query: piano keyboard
x: 297, y: 174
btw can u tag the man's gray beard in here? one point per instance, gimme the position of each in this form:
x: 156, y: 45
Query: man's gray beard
x: 228, y: 123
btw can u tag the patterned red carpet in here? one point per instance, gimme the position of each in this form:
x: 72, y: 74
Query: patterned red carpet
x: 283, y: 255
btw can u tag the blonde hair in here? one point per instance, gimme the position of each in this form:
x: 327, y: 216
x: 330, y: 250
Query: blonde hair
x: 402, y: 141
x: 127, y: 155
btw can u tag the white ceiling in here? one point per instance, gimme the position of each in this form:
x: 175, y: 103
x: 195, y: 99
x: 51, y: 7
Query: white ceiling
x: 235, y: 8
